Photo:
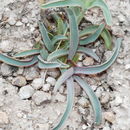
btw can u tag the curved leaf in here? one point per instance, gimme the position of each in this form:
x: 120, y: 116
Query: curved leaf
x: 46, y: 39
x: 105, y: 34
x: 70, y: 100
x: 58, y: 38
x: 44, y: 53
x: 107, y: 38
x: 74, y: 34
x: 104, y: 66
x: 67, y: 74
x: 56, y: 54
x: 89, y: 52
x: 63, y: 3
x: 93, y: 37
x: 50, y: 65
x: 101, y: 4
x: 19, y: 63
x: 93, y: 99
x: 27, y: 53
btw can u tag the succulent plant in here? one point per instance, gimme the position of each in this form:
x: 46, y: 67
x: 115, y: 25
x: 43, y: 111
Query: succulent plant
x: 61, y: 50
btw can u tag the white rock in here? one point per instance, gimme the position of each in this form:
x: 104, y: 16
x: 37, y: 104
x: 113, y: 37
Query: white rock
x: 99, y: 92
x: 51, y: 81
x: 105, y: 97
x: 109, y: 116
x: 118, y: 100
x: 88, y: 61
x: 121, y: 18
x: 60, y: 98
x: 127, y: 66
x: 94, y: 87
x: 31, y: 73
x: 40, y: 97
x: 3, y: 118
x: 83, y: 102
x: 37, y: 83
x: 12, y: 19
x: 53, y: 73
x: 6, y: 70
x: 24, y: 20
x: 6, y: 46
x: 19, y: 81
x: 82, y: 110
x: 46, y: 87
x: 19, y: 23
x: 26, y: 92
x: 84, y: 127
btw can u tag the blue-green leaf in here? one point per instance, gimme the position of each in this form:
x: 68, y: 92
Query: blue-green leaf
x: 50, y: 65
x: 19, y: 63
x: 56, y: 54
x: 67, y: 74
x: 102, y: 67
x: 74, y: 34
x: 89, y: 52
x: 70, y: 100
x: 27, y: 53
x: 92, y: 37
x: 58, y: 38
x: 46, y: 39
x: 93, y: 99
x: 44, y: 53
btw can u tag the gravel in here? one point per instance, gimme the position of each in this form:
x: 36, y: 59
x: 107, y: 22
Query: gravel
x: 51, y: 81
x: 37, y: 83
x: 26, y: 92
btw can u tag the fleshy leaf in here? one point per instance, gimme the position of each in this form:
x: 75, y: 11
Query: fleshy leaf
x: 102, y: 67
x: 70, y: 100
x: 105, y: 34
x: 56, y: 54
x: 50, y: 65
x: 58, y: 38
x: 46, y: 39
x: 67, y: 74
x: 92, y: 37
x: 93, y: 99
x: 89, y: 52
x: 107, y: 38
x: 44, y: 53
x: 27, y: 53
x: 18, y: 63
x: 74, y: 33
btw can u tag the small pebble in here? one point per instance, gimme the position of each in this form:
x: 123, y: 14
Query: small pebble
x: 88, y: 61
x: 84, y: 127
x: 6, y: 46
x: 19, y: 24
x: 6, y: 70
x: 105, y: 97
x: 42, y: 126
x: 19, y: 81
x: 3, y: 118
x: 109, y: 116
x: 26, y: 92
x: 99, y: 92
x: 60, y: 98
x: 40, y: 97
x: 51, y: 81
x: 46, y: 87
x: 37, y: 83
x: 83, y: 102
x: 54, y: 73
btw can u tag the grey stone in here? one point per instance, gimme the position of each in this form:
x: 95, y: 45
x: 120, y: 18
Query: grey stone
x: 37, y: 83
x: 19, y: 23
x: 88, y: 61
x: 40, y: 97
x: 6, y: 70
x: 53, y: 73
x: 31, y: 73
x: 19, y: 81
x: 46, y: 87
x: 26, y: 92
x: 77, y: 89
x: 51, y: 81
x: 83, y: 102
x: 60, y: 98
x: 109, y: 116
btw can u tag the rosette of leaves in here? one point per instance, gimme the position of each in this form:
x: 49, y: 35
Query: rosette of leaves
x: 61, y: 50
